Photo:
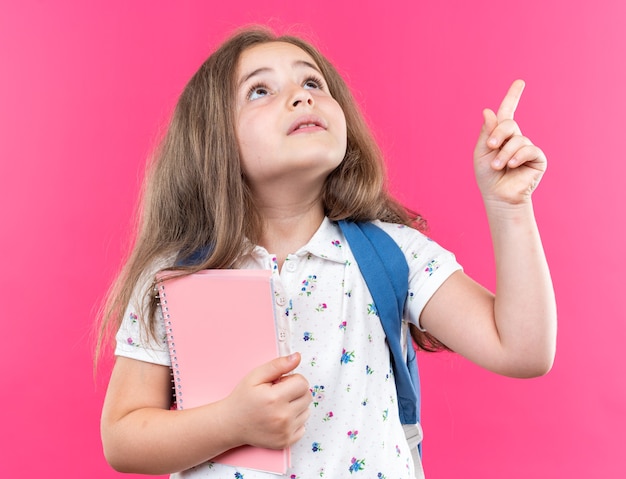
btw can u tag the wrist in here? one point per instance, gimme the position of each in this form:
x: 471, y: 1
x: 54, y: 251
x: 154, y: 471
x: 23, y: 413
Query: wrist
x: 222, y: 421
x: 499, y: 209
x: 514, y: 218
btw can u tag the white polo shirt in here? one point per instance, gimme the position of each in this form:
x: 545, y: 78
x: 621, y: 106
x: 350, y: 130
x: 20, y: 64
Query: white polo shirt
x: 326, y: 313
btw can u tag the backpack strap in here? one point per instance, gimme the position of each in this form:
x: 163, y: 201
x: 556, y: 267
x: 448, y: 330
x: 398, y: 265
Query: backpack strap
x: 385, y: 270
x: 196, y: 257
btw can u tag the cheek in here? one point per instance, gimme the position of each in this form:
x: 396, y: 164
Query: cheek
x: 343, y: 131
x: 247, y: 139
x: 252, y: 149
x: 339, y: 119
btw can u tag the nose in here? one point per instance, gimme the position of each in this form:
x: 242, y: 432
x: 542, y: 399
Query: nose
x: 301, y: 96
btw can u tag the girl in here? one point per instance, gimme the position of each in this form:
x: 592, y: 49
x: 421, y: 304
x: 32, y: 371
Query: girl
x: 266, y: 150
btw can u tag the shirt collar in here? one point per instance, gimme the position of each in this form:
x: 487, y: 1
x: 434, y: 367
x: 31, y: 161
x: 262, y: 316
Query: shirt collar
x: 327, y: 243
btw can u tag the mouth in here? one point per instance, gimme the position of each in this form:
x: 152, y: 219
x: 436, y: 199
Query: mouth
x: 308, y: 123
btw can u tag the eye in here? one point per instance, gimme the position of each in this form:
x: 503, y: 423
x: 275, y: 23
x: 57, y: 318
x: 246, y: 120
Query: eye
x: 256, y: 91
x: 314, y: 83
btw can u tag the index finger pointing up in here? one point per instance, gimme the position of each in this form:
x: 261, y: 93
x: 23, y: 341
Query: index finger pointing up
x: 511, y: 100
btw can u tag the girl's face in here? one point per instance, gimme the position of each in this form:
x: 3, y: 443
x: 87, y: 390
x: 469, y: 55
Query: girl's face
x: 289, y: 128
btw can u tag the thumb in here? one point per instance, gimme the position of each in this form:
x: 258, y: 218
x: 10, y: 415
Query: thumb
x: 275, y: 369
x: 490, y: 121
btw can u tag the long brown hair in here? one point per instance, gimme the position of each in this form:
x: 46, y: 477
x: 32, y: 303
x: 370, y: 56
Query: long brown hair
x: 195, y: 194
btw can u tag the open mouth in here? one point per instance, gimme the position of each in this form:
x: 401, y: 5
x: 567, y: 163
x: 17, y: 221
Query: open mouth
x: 307, y: 124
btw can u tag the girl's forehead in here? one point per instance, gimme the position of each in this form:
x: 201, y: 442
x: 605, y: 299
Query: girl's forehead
x: 265, y: 55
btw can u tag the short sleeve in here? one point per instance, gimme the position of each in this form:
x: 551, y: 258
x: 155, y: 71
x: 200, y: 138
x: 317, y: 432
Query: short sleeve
x: 133, y: 340
x: 430, y: 265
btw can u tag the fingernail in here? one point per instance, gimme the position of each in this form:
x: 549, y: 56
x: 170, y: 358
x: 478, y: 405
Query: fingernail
x: 496, y: 163
x: 493, y: 142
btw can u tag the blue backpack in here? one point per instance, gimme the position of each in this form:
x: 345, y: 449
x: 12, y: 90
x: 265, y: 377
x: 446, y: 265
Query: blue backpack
x: 386, y: 272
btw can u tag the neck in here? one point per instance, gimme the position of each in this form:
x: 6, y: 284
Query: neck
x: 288, y: 227
x: 292, y: 211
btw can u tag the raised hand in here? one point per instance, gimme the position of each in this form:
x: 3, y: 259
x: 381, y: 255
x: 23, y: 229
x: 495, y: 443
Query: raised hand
x: 507, y: 165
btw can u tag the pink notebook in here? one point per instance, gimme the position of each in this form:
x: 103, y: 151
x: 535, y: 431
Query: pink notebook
x: 220, y: 325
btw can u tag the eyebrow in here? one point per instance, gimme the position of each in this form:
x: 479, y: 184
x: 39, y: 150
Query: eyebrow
x: 258, y: 71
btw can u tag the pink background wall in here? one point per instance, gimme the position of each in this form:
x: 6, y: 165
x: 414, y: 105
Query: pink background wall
x: 86, y: 86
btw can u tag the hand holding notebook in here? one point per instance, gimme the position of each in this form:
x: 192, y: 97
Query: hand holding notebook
x: 278, y: 398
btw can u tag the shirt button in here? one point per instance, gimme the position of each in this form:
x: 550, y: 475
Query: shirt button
x: 291, y: 266
x: 282, y: 335
x: 281, y: 300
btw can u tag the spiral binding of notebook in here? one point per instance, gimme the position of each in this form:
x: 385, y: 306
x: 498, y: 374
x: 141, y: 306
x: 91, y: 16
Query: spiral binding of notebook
x: 177, y: 399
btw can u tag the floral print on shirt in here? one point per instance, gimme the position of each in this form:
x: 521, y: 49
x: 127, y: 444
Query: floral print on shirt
x: 353, y: 430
